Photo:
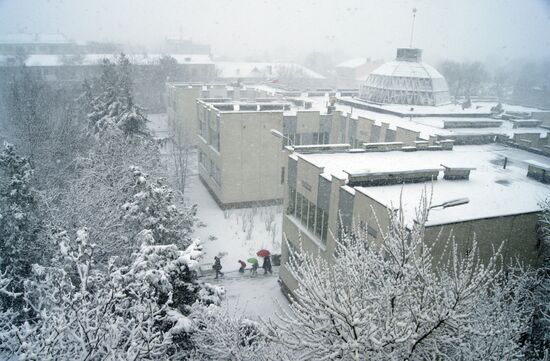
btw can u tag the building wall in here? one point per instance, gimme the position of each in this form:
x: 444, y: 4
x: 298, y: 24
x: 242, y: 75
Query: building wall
x: 250, y: 156
x: 182, y: 110
x: 517, y: 234
x: 356, y: 210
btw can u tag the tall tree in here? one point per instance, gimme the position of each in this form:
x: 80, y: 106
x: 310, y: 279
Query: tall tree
x: 398, y: 301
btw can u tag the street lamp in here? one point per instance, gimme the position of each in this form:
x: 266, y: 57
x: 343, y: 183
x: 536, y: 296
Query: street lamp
x: 278, y: 134
x: 452, y: 203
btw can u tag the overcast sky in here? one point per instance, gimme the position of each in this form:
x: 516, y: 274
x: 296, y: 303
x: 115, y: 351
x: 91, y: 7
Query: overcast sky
x: 289, y: 29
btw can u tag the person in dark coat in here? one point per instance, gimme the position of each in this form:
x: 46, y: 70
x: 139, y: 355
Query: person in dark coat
x: 267, y: 265
x: 217, y: 266
x: 254, y: 269
x: 243, y: 266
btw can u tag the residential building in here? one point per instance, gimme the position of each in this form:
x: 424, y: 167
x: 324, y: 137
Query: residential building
x: 333, y: 189
x: 240, y: 161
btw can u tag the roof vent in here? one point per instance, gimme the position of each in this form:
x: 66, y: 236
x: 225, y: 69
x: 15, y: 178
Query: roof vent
x: 538, y: 171
x: 372, y: 179
x: 456, y: 173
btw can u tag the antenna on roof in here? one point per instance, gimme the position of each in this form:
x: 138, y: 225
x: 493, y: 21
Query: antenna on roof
x: 412, y: 28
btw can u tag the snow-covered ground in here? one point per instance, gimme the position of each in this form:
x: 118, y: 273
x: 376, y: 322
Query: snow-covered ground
x: 236, y: 234
x: 239, y: 234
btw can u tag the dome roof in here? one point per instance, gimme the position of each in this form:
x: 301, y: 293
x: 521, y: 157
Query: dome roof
x: 406, y: 81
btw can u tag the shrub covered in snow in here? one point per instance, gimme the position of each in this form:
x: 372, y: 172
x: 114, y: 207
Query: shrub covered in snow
x: 140, y: 311
x: 396, y: 301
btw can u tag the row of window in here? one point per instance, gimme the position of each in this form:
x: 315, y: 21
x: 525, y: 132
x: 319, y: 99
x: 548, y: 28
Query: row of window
x: 213, y: 170
x: 312, y: 217
x: 306, y: 138
x: 208, y: 130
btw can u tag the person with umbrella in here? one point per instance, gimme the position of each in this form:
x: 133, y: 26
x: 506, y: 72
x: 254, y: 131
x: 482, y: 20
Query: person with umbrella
x: 217, y: 266
x: 267, y: 260
x: 254, y: 268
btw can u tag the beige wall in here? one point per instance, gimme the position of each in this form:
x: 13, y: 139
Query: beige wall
x: 408, y: 137
x: 307, y: 121
x: 182, y: 109
x: 364, y: 126
x: 249, y: 158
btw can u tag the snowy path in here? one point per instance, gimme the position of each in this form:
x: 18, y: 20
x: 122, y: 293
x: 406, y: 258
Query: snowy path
x: 253, y: 296
x: 236, y: 234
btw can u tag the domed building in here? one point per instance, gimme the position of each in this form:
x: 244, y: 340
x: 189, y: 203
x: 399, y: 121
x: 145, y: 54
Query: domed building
x: 406, y: 81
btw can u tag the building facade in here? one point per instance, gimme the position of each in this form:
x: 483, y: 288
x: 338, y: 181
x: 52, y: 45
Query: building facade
x: 336, y: 190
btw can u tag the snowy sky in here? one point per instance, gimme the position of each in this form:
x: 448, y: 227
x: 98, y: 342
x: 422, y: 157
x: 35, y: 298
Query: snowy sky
x: 289, y: 29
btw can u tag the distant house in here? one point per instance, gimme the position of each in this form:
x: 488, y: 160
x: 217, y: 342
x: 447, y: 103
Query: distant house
x: 291, y: 74
x: 26, y: 44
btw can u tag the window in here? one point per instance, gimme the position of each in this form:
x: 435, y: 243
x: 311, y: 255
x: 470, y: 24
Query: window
x: 215, y: 173
x: 282, y: 175
x: 298, y: 205
x: 203, y: 159
x: 313, y: 218
x: 305, y: 207
x: 291, y: 201
x: 214, y: 133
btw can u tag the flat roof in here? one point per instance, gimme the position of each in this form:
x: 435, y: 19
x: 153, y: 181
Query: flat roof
x: 492, y: 190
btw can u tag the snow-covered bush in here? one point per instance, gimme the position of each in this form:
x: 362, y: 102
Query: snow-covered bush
x: 397, y: 301
x: 132, y: 312
x: 219, y: 334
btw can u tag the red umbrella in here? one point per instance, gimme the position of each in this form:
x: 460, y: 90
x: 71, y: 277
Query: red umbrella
x: 263, y: 253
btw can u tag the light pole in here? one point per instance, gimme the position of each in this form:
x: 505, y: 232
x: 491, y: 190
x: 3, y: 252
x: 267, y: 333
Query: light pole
x: 278, y: 134
x: 451, y: 203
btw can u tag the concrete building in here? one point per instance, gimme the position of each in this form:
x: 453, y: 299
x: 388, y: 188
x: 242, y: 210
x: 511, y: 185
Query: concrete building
x: 308, y: 118
x: 335, y: 190
x: 240, y: 161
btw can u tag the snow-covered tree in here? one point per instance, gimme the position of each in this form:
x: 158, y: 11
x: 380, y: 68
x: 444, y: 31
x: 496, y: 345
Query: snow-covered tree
x: 151, y: 206
x: 113, y: 107
x: 397, y: 301
x: 19, y: 222
x: 135, y: 312
x: 538, y: 336
x: 219, y: 334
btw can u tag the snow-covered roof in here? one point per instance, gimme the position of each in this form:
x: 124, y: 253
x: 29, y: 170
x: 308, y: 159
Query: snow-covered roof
x: 94, y: 59
x: 406, y: 80
x: 407, y: 69
x: 23, y: 38
x: 492, y: 190
x: 254, y: 70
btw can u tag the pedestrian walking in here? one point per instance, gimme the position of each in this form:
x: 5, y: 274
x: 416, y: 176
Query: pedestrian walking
x: 267, y: 265
x: 243, y: 266
x: 254, y: 269
x: 217, y: 266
